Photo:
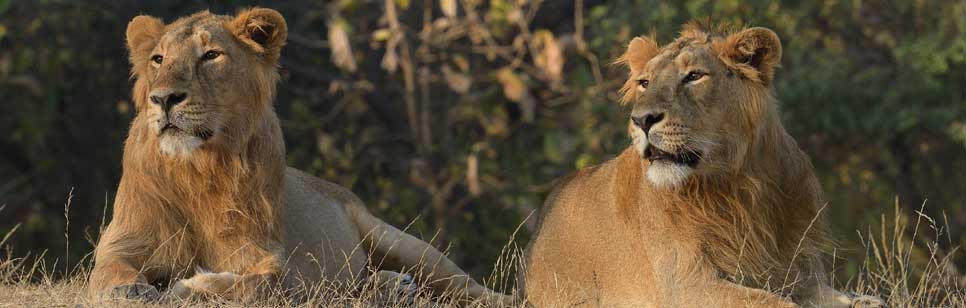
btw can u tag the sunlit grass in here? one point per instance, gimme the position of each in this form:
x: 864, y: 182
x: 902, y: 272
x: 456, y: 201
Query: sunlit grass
x: 905, y: 267
x: 901, y: 266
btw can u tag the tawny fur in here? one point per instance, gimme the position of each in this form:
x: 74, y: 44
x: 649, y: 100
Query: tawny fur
x: 744, y: 229
x: 231, y: 207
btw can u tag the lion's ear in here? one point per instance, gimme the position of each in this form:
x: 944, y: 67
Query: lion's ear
x: 264, y: 30
x: 143, y: 33
x: 756, y: 48
x: 639, y: 51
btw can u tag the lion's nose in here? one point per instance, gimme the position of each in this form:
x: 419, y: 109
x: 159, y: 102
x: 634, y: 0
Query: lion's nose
x: 167, y: 98
x: 648, y: 120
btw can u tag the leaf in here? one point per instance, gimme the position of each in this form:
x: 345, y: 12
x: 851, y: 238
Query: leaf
x: 516, y: 90
x: 448, y: 7
x: 458, y: 82
x: 441, y: 24
x: 476, y: 34
x: 390, y: 61
x: 461, y: 62
x: 553, y: 147
x: 550, y: 58
x: 324, y: 143
x: 381, y: 35
x: 341, y: 47
x: 513, y: 87
x: 123, y: 107
x: 583, y: 160
x: 472, y: 175
x: 957, y: 130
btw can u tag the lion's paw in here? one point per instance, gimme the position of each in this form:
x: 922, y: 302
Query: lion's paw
x: 203, y: 283
x: 136, y: 291
x: 497, y: 299
x: 393, y: 286
x: 180, y: 289
x: 866, y: 301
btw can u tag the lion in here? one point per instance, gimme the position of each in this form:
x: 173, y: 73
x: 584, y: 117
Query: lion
x: 206, y: 201
x: 712, y: 205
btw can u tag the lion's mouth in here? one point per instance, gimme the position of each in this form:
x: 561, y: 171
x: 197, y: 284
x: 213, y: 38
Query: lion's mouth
x: 168, y: 128
x: 689, y: 158
x: 203, y: 133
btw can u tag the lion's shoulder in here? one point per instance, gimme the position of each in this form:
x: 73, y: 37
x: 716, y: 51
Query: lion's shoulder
x: 573, y: 185
x: 590, y: 190
x: 596, y: 183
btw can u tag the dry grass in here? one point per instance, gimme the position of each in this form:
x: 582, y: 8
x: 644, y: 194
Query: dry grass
x: 30, y: 284
x: 905, y: 267
x: 902, y: 267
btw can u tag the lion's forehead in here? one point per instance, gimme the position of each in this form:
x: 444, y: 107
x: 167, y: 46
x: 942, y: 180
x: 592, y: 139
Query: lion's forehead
x: 683, y: 54
x: 199, y: 26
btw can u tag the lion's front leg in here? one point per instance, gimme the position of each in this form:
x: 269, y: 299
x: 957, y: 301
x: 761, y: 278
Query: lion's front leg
x: 118, y: 279
x: 118, y: 269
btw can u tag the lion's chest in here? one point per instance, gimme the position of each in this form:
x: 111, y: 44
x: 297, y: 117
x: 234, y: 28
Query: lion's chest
x: 218, y: 241
x: 229, y: 253
x: 586, y: 252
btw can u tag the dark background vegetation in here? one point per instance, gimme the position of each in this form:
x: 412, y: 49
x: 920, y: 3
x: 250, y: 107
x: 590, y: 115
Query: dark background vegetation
x: 461, y: 113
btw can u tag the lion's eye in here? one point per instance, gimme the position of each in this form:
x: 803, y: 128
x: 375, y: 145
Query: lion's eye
x: 642, y: 84
x: 157, y: 59
x: 211, y: 55
x: 692, y: 76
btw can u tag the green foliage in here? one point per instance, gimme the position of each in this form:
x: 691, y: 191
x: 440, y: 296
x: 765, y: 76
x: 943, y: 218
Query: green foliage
x: 464, y: 122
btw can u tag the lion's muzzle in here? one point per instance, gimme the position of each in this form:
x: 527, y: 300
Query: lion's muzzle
x: 167, y: 98
x: 648, y: 120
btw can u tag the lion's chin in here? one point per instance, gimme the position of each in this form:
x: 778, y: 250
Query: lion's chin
x: 180, y: 145
x: 665, y: 174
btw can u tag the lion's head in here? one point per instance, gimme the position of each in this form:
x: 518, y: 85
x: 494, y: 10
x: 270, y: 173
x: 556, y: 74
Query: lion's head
x: 204, y: 81
x: 699, y: 102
